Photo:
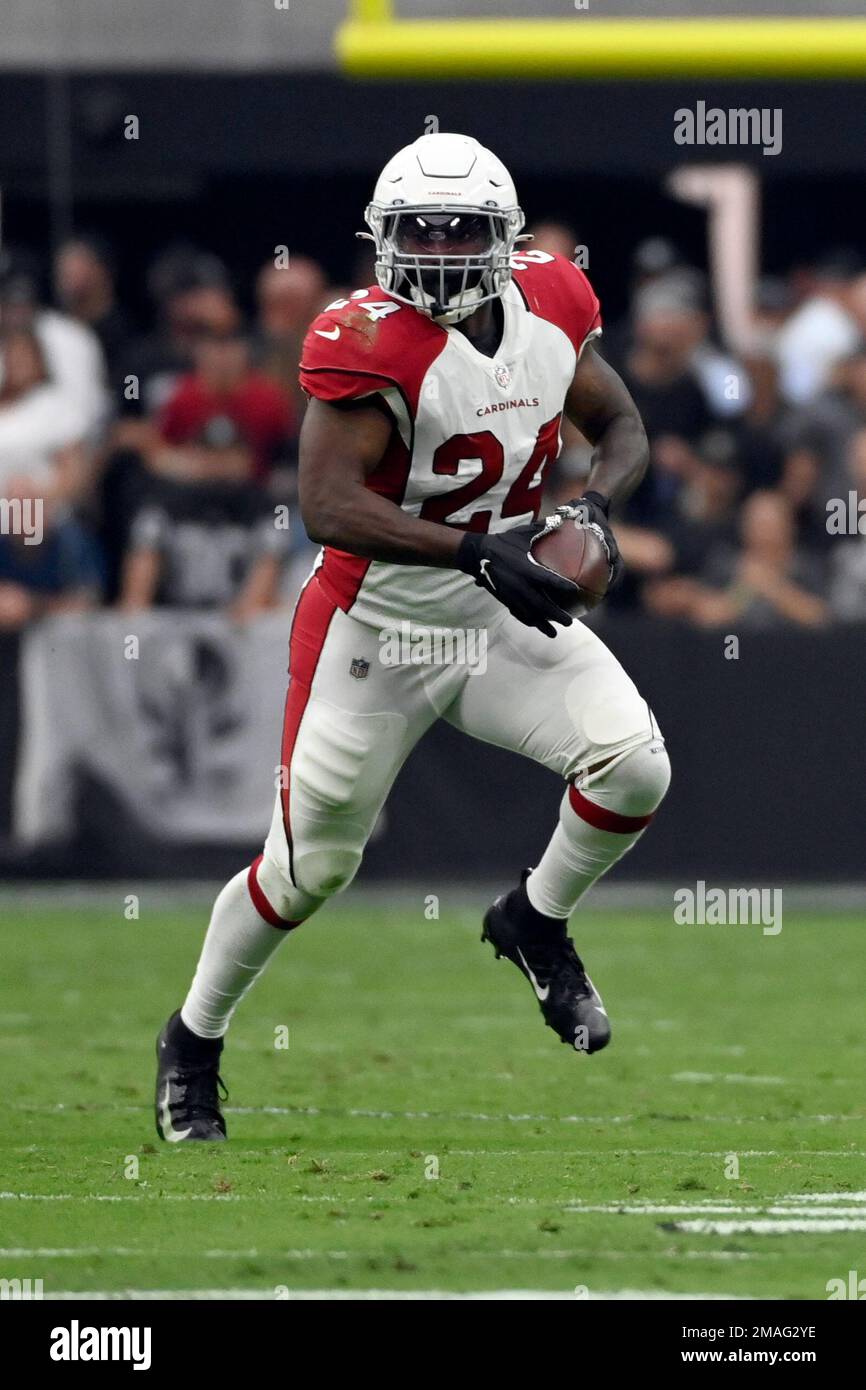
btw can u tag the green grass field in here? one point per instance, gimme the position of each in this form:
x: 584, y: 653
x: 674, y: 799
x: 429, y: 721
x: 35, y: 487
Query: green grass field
x: 411, y: 1051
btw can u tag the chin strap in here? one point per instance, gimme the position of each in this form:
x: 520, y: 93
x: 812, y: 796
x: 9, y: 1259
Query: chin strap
x: 454, y: 315
x: 448, y: 316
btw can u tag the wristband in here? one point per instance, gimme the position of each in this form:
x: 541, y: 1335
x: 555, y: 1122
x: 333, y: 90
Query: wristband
x: 602, y: 502
x: 468, y: 557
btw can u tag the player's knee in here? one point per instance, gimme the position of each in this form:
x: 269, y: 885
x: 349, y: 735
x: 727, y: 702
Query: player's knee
x: 641, y: 778
x: 288, y: 900
x: 323, y: 872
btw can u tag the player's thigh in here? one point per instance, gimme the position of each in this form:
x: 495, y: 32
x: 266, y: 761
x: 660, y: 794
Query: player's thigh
x: 565, y: 702
x: 350, y: 724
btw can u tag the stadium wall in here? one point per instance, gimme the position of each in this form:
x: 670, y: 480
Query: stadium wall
x: 193, y: 123
x: 761, y: 747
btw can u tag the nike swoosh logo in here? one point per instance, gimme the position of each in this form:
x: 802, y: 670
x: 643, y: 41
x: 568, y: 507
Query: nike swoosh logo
x: 333, y: 334
x: 599, y: 1007
x: 168, y: 1130
x: 484, y: 566
x: 540, y: 994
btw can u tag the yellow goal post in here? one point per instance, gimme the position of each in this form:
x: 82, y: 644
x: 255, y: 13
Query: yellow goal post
x: 374, y: 42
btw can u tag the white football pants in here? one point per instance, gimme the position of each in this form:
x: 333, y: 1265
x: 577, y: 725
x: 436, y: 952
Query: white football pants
x: 360, y: 699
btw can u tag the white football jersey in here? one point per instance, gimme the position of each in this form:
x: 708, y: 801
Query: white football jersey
x: 474, y: 435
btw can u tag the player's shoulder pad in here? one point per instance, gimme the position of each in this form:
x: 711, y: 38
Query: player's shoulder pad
x: 367, y: 343
x: 557, y: 290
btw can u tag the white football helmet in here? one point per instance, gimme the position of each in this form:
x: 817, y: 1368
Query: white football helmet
x: 445, y: 218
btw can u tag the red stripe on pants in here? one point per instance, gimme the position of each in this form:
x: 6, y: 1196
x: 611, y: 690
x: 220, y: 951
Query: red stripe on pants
x: 260, y: 902
x: 312, y: 620
x: 602, y: 819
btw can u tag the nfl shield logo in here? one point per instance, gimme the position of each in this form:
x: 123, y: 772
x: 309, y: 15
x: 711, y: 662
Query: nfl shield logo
x: 359, y: 668
x: 502, y: 375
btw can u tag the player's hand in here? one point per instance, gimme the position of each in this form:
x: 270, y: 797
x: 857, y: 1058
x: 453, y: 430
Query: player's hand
x: 597, y: 508
x: 504, y: 567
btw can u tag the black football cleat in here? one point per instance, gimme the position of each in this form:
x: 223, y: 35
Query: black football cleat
x: 188, y: 1085
x: 543, y: 951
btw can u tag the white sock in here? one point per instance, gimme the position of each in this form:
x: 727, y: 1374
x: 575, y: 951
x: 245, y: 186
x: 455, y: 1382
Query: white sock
x: 238, y: 945
x: 597, y: 828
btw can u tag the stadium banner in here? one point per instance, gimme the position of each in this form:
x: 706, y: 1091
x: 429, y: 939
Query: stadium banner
x: 177, y: 715
x: 164, y: 763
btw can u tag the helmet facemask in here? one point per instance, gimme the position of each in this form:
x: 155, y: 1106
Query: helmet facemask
x: 445, y: 261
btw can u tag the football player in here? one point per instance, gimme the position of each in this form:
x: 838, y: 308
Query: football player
x: 435, y: 402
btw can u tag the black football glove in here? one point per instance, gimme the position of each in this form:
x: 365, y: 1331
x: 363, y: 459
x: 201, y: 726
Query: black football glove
x: 596, y: 508
x: 504, y: 567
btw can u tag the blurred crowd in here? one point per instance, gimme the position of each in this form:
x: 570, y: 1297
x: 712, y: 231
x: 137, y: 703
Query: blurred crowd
x: 166, y: 452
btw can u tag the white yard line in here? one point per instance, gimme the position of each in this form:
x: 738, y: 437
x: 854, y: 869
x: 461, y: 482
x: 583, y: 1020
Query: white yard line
x: 385, y: 1295
x: 658, y: 1209
x: 732, y: 1077
x: 445, y: 1116
x: 132, y: 1197
x: 87, y: 1252
x: 826, y: 1197
x: 626, y: 1209
x: 804, y: 1226
x: 790, y: 1205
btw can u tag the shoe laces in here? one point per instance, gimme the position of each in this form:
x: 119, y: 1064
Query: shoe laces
x: 204, y: 1089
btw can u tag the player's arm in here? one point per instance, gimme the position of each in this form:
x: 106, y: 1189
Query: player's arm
x: 600, y: 405
x: 340, y: 448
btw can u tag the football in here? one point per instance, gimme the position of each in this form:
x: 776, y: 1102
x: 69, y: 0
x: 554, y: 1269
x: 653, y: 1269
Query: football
x: 576, y: 552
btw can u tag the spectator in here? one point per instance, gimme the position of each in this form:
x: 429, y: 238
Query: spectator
x: 676, y: 302
x: 672, y: 406
x: 654, y: 258
x: 705, y: 515
x: 765, y: 583
x: 826, y: 424
x: 801, y: 483
x: 761, y: 432
x: 555, y: 238
x: 702, y: 515
x: 60, y: 572
x: 848, y: 581
x: 192, y: 298
x: 72, y: 353
x: 225, y: 395
x: 774, y: 302
x: 659, y: 366
x: 213, y: 545
x: 288, y: 298
x: 822, y: 331
x: 84, y: 284
x: 40, y: 427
